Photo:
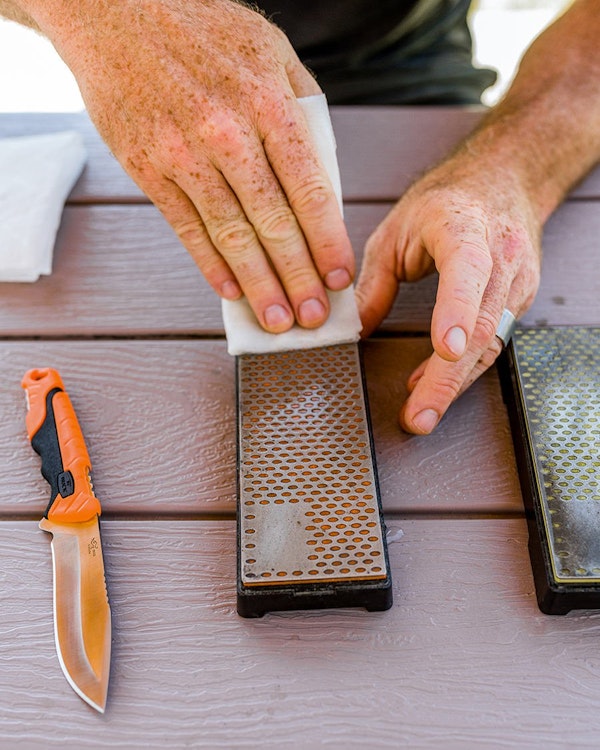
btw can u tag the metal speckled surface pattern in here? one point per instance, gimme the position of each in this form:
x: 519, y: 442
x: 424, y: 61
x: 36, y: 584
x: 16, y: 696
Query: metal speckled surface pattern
x: 559, y: 370
x: 308, y: 493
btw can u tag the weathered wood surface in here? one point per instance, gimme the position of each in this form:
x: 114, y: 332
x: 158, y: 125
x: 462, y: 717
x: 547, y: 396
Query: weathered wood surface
x: 381, y: 150
x: 464, y: 659
x: 120, y: 270
x: 159, y: 419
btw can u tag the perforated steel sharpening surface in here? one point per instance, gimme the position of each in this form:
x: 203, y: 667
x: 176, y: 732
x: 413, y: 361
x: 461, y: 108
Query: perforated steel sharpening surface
x: 557, y: 376
x: 309, y: 513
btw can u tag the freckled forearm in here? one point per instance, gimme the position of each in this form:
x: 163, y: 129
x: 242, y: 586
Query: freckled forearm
x: 545, y: 131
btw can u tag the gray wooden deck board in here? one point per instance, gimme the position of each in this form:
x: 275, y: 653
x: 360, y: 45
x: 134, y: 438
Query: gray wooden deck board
x: 159, y: 420
x: 381, y: 150
x: 120, y: 270
x: 463, y: 659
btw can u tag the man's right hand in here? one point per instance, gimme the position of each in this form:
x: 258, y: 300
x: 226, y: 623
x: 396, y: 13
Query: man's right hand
x: 197, y: 100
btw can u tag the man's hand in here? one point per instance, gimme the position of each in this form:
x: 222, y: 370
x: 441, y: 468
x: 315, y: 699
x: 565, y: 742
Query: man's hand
x: 478, y: 216
x: 478, y: 230
x: 197, y: 100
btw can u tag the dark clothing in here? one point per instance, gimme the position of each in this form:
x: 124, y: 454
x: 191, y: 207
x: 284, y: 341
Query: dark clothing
x: 384, y: 51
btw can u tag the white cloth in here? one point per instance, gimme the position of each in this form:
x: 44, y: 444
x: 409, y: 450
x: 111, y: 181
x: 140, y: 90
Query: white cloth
x: 244, y: 333
x: 37, y: 174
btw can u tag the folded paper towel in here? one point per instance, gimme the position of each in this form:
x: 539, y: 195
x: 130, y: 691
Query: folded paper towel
x: 244, y: 333
x: 36, y: 176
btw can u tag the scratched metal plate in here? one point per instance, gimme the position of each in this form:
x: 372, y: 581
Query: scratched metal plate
x: 559, y: 373
x: 309, y: 505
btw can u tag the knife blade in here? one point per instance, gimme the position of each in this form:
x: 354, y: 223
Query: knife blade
x: 82, y: 618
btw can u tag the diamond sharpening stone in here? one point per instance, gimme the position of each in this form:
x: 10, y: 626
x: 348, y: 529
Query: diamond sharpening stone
x: 551, y: 383
x: 310, y: 528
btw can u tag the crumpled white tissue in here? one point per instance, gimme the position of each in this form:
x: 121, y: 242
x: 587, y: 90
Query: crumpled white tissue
x: 37, y: 174
x: 244, y: 333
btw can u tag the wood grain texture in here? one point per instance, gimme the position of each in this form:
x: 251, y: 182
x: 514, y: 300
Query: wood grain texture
x: 569, y: 292
x: 117, y: 270
x: 121, y: 270
x: 381, y: 150
x: 467, y: 464
x: 464, y: 659
x: 159, y: 420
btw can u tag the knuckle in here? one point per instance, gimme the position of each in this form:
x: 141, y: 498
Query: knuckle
x: 481, y: 259
x: 301, y: 280
x: 234, y: 237
x: 191, y: 233
x: 490, y: 355
x: 515, y: 243
x: 222, y: 133
x: 448, y: 387
x: 310, y: 196
x: 466, y: 297
x: 277, y: 225
x: 485, y: 329
x: 478, y: 258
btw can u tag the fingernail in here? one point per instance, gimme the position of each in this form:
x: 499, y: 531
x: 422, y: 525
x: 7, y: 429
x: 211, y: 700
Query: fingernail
x: 456, y: 341
x: 426, y: 420
x: 230, y: 290
x: 338, y: 279
x: 276, y: 316
x: 311, y: 312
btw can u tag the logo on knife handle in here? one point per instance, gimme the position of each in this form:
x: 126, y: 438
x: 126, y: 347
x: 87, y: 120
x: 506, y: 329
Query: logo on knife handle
x: 66, y: 484
x: 93, y: 547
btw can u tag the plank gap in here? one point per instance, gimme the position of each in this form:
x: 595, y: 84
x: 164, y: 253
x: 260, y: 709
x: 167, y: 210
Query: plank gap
x: 138, y: 517
x: 453, y: 515
x: 114, y: 337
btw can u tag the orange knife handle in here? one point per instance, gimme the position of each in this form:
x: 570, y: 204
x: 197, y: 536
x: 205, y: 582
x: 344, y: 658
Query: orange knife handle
x: 55, y: 434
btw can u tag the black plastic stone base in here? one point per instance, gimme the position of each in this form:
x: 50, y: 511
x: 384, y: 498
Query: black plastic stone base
x: 255, y: 601
x: 554, y: 597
